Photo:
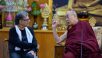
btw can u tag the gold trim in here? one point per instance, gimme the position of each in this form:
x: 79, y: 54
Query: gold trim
x: 50, y: 16
x: 70, y: 4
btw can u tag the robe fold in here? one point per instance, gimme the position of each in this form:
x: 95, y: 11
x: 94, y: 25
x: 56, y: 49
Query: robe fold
x: 81, y: 41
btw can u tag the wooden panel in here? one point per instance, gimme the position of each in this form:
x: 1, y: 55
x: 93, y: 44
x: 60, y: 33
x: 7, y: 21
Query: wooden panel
x: 3, y: 44
x: 47, y: 44
x: 59, y: 51
x: 1, y: 49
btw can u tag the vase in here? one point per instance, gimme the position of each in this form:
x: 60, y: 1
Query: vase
x: 45, y: 14
x: 35, y: 26
x: 9, y: 20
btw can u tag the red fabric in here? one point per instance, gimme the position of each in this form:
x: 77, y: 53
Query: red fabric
x: 82, y: 34
x: 69, y: 55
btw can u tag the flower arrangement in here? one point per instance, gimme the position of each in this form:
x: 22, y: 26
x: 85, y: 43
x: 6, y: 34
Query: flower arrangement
x: 2, y: 4
x: 45, y: 11
x: 35, y: 8
x: 35, y: 11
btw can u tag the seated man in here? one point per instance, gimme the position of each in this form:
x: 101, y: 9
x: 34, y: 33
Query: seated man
x: 22, y: 42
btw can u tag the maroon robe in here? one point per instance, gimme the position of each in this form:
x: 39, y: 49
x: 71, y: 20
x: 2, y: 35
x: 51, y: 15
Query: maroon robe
x: 81, y: 41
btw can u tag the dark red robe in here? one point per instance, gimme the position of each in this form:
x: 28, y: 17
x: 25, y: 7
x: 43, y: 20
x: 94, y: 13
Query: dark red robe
x: 81, y: 41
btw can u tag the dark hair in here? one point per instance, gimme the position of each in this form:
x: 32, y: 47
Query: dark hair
x: 82, y: 14
x: 19, y: 16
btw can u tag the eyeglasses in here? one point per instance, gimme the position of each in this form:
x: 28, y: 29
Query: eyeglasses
x: 26, y: 19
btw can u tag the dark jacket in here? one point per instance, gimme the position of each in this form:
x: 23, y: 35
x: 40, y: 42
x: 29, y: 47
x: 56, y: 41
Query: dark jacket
x: 15, y: 41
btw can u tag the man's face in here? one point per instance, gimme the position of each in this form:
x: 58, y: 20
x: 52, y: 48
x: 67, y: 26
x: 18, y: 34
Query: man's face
x: 71, y: 17
x: 25, y: 21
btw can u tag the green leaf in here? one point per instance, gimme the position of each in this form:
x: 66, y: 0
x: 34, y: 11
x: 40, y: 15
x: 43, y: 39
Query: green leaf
x: 34, y: 4
x: 36, y: 12
x: 2, y: 2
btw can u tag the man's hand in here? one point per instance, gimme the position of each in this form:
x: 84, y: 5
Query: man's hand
x: 54, y: 23
x: 32, y: 52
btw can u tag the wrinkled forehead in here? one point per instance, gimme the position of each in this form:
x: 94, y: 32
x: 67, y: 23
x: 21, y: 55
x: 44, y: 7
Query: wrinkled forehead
x: 71, y: 13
